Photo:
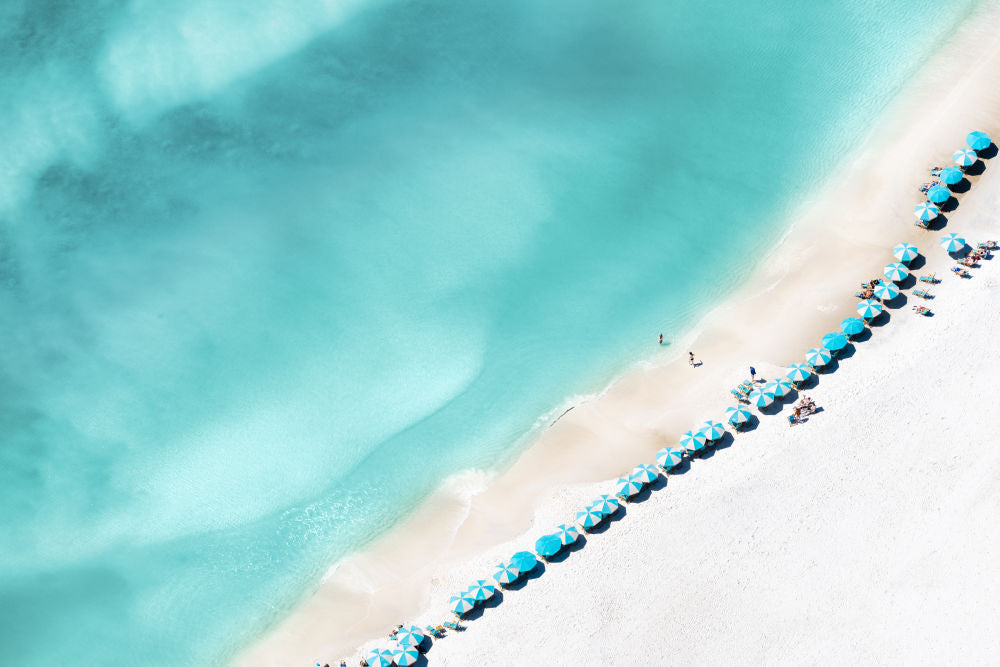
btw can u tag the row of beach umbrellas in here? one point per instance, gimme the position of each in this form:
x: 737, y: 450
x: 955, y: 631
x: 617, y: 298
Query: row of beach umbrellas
x: 965, y: 157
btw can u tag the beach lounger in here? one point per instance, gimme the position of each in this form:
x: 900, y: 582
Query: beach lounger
x: 922, y: 224
x: 923, y: 294
x: 922, y: 310
x: 453, y: 625
x: 932, y: 278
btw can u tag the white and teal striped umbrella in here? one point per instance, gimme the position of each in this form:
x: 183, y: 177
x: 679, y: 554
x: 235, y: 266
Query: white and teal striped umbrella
x: 566, y: 534
x: 779, y: 387
x: 379, y: 657
x: 411, y: 636
x: 645, y: 473
x: 405, y: 656
x: 886, y: 291
x: 895, y: 272
x: 668, y: 457
x: 905, y: 252
x: 626, y: 487
x: 693, y: 441
x: 506, y: 573
x: 926, y: 211
x: 461, y: 603
x: 606, y: 504
x: 481, y: 590
x: 798, y: 372
x: 952, y: 242
x: 589, y: 518
x: 978, y: 141
x: 712, y: 430
x: 818, y: 356
x: 965, y: 157
x: 869, y: 309
x: 760, y: 397
x: 737, y: 415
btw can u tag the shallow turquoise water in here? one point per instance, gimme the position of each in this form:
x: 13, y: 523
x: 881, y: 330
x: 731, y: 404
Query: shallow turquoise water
x: 269, y: 271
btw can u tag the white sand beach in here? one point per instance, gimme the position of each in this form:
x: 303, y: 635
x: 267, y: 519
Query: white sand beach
x: 868, y: 533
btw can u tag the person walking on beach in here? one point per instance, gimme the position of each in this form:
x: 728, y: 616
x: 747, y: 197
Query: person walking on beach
x: 691, y: 358
x: 753, y: 372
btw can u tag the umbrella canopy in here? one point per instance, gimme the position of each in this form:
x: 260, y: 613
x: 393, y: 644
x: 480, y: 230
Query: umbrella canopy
x: 939, y: 194
x: 405, y: 656
x: 411, y: 636
x: 548, y: 545
x: 760, y: 397
x: 567, y: 534
x: 737, y: 415
x: 798, y: 372
x: 869, y: 309
x: 462, y: 603
x: 951, y: 175
x: 589, y: 518
x: 524, y: 561
x: 379, y: 657
x: 693, y: 441
x: 886, y: 291
x: 926, y: 211
x: 668, y: 457
x: 895, y: 272
x: 835, y: 341
x: 952, y: 242
x: 712, y: 430
x: 626, y: 487
x: 964, y: 157
x: 645, y: 473
x: 606, y: 504
x: 479, y: 591
x: 852, y: 326
x: 818, y: 356
x: 506, y: 573
x: 778, y: 387
x: 905, y: 252
x: 978, y: 141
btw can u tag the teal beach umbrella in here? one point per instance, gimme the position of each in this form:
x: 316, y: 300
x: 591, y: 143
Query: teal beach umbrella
x: 778, y: 387
x: 626, y: 487
x: 737, y: 415
x: 606, y: 504
x: 952, y: 242
x: 524, y: 561
x: 939, y: 194
x: 567, y: 534
x: 895, y: 272
x: 835, y: 341
x: 461, y: 603
x: 869, y: 309
x: 712, y: 430
x: 886, y: 291
x: 951, y: 175
x: 693, y: 441
x: 547, y: 546
x: 818, y: 356
x: 411, y: 636
x: 978, y: 141
x: 964, y: 157
x: 760, y: 398
x: 668, y: 457
x: 798, y: 372
x: 926, y: 211
x: 645, y: 473
x: 507, y: 573
x: 852, y: 326
x: 905, y: 252
x: 589, y: 518
x: 406, y: 656
x: 481, y: 590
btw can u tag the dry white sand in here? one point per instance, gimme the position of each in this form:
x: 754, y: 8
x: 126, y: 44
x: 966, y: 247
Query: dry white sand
x: 867, y: 533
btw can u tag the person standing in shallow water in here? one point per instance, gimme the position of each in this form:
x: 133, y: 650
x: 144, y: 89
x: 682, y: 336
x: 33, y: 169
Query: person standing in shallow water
x: 661, y: 339
x: 691, y: 358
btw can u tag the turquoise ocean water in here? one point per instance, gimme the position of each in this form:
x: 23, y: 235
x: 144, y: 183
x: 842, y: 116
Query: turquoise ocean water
x: 270, y: 271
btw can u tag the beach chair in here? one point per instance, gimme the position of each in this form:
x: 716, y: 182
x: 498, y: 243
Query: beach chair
x: 922, y: 310
x: 932, y: 278
x: 923, y: 224
x: 923, y: 294
x: 451, y: 625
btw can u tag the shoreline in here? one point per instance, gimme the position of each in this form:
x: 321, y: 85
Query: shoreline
x: 800, y: 291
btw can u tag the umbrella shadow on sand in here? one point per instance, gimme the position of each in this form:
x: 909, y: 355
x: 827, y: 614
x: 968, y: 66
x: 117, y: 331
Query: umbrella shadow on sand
x: 976, y: 168
x: 907, y: 282
x: 492, y: 603
x: 989, y: 152
x: 647, y: 490
x: 523, y: 580
x: 847, y: 352
x: 877, y: 322
x: 962, y: 186
x: 896, y: 302
x: 605, y: 523
x: 570, y: 548
x: 938, y: 223
x: 917, y: 262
